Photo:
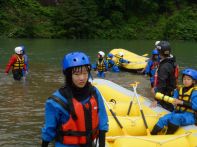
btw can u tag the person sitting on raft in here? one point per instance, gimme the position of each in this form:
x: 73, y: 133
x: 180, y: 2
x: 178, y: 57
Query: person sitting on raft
x: 185, y: 102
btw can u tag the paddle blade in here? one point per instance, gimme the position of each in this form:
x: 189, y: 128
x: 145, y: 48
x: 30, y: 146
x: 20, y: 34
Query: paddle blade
x: 145, y: 55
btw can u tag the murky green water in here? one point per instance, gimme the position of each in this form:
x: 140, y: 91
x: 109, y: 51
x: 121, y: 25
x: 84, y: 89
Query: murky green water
x: 22, y: 103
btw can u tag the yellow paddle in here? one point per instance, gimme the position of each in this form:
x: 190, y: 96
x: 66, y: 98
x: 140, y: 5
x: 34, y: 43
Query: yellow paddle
x: 134, y: 85
x: 145, y: 55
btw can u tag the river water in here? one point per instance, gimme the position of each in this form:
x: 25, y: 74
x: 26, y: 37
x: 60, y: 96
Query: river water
x: 22, y: 103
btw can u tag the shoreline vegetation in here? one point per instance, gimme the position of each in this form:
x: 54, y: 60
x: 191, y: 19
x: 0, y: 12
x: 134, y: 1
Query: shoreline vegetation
x: 99, y: 19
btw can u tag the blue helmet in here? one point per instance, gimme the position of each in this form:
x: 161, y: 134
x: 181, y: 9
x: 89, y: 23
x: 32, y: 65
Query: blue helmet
x: 75, y: 59
x: 110, y: 55
x: 155, y: 52
x: 23, y: 47
x: 190, y: 72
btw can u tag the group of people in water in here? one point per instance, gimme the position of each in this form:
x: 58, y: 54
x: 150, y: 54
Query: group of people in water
x: 75, y: 114
x: 103, y: 65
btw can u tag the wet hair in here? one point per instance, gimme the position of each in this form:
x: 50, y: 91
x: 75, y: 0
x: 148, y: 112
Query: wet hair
x: 68, y: 73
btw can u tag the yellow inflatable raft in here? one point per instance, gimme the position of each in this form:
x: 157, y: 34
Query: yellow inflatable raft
x: 133, y: 132
x: 137, y: 62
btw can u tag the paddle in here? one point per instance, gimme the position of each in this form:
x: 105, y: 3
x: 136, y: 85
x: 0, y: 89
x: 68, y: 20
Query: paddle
x: 130, y: 105
x: 141, y: 110
x: 114, y: 116
x: 145, y: 55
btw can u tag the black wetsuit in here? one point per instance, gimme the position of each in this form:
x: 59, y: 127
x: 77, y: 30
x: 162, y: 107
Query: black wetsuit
x: 166, y: 80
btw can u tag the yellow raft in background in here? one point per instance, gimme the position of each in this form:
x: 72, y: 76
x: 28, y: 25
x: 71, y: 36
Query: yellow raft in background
x: 137, y: 62
x: 134, y: 132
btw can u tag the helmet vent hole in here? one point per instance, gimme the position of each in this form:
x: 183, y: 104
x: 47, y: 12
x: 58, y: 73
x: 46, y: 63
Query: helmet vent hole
x: 83, y: 58
x: 74, y: 60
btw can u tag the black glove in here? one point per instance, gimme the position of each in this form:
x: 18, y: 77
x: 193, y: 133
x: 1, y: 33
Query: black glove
x: 102, y: 138
x: 45, y: 143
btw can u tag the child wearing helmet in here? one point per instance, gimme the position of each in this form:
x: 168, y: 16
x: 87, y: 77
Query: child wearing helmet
x: 185, y: 103
x: 16, y: 62
x: 101, y: 65
x: 152, y: 66
x: 110, y: 61
x: 75, y: 114
x: 119, y: 61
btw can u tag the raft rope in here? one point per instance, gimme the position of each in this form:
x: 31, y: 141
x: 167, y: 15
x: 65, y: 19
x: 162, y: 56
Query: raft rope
x: 112, y: 138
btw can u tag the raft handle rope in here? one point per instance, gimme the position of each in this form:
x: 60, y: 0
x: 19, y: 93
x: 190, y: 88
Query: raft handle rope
x: 112, y: 138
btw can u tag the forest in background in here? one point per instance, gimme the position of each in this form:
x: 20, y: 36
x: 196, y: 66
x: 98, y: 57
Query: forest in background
x: 99, y: 19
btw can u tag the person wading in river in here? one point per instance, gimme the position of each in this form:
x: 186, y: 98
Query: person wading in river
x: 17, y: 64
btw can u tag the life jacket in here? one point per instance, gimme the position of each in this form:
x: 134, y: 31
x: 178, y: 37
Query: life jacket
x: 156, y: 78
x: 19, y: 64
x: 153, y: 68
x: 101, y: 65
x: 176, y: 73
x: 185, y: 97
x: 82, y: 125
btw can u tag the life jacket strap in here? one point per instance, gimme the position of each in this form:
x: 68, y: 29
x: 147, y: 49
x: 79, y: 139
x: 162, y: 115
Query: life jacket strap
x: 59, y: 101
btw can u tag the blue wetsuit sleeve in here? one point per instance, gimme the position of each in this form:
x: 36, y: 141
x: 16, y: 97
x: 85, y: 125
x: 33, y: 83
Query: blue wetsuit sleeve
x: 26, y: 61
x: 93, y: 66
x: 103, y: 118
x: 124, y: 60
x: 49, y: 129
x: 106, y: 65
x: 147, y: 70
x: 55, y: 114
x: 176, y: 94
x: 194, y: 100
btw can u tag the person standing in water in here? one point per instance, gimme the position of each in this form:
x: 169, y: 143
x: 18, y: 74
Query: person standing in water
x: 101, y: 65
x: 16, y: 62
x: 75, y: 114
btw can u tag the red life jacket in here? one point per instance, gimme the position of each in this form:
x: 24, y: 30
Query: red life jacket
x: 176, y: 73
x: 154, y: 65
x: 75, y: 131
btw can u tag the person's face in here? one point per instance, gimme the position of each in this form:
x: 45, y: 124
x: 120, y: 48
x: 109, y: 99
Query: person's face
x: 99, y: 56
x: 187, y: 81
x: 80, y: 77
x: 156, y: 56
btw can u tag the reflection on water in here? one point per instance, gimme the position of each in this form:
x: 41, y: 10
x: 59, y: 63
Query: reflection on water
x: 22, y: 103
x: 22, y: 106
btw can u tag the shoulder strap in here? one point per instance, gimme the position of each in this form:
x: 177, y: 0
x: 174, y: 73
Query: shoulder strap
x: 66, y: 92
x: 59, y: 101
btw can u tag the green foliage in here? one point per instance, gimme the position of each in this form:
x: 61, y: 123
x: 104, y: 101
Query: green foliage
x: 182, y: 26
x: 122, y: 19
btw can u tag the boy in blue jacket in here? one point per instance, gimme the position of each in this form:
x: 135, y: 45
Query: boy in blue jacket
x: 185, y: 103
